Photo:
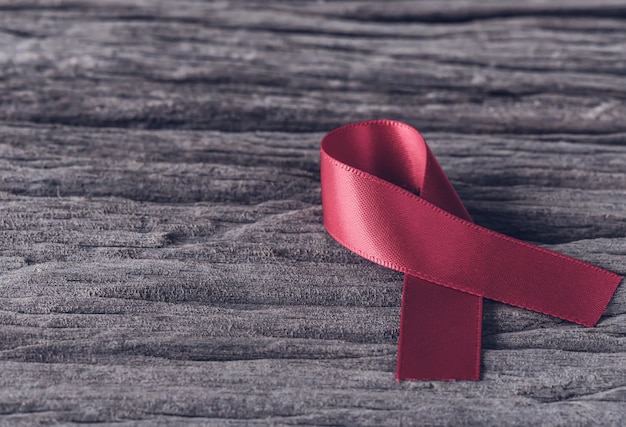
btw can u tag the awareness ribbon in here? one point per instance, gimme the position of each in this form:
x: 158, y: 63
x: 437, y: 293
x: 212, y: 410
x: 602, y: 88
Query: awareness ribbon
x: 385, y: 197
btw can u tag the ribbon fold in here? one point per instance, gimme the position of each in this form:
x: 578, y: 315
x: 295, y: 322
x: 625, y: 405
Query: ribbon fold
x: 385, y: 197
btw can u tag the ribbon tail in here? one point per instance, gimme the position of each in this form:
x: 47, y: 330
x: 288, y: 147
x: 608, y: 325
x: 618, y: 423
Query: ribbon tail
x: 440, y: 333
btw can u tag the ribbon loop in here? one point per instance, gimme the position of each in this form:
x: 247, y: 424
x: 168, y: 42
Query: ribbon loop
x: 385, y: 197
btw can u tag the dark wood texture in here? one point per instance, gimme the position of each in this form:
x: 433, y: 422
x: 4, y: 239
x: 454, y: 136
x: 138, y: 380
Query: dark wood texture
x: 162, y: 257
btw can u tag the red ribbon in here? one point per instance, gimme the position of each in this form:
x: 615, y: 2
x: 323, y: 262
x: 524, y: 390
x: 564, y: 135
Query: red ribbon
x: 385, y: 197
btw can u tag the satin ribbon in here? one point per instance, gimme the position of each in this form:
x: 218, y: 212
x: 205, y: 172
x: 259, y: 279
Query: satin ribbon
x: 385, y: 197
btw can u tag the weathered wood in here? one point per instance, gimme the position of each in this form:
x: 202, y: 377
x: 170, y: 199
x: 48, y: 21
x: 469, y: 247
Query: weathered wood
x: 163, y: 259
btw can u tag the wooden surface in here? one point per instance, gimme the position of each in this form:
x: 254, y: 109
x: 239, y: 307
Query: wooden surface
x: 162, y: 256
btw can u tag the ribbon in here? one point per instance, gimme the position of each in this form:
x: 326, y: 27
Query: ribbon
x: 385, y: 197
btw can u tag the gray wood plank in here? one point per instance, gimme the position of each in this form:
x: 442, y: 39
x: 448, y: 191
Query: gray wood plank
x: 163, y: 260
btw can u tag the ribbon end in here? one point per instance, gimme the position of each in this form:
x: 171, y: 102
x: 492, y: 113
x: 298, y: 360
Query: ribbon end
x: 609, y: 288
x: 447, y: 345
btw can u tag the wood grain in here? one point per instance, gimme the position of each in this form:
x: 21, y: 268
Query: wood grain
x: 163, y: 260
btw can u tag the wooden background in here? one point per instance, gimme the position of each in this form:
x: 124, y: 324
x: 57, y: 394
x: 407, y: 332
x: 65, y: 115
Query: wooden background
x: 162, y: 257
